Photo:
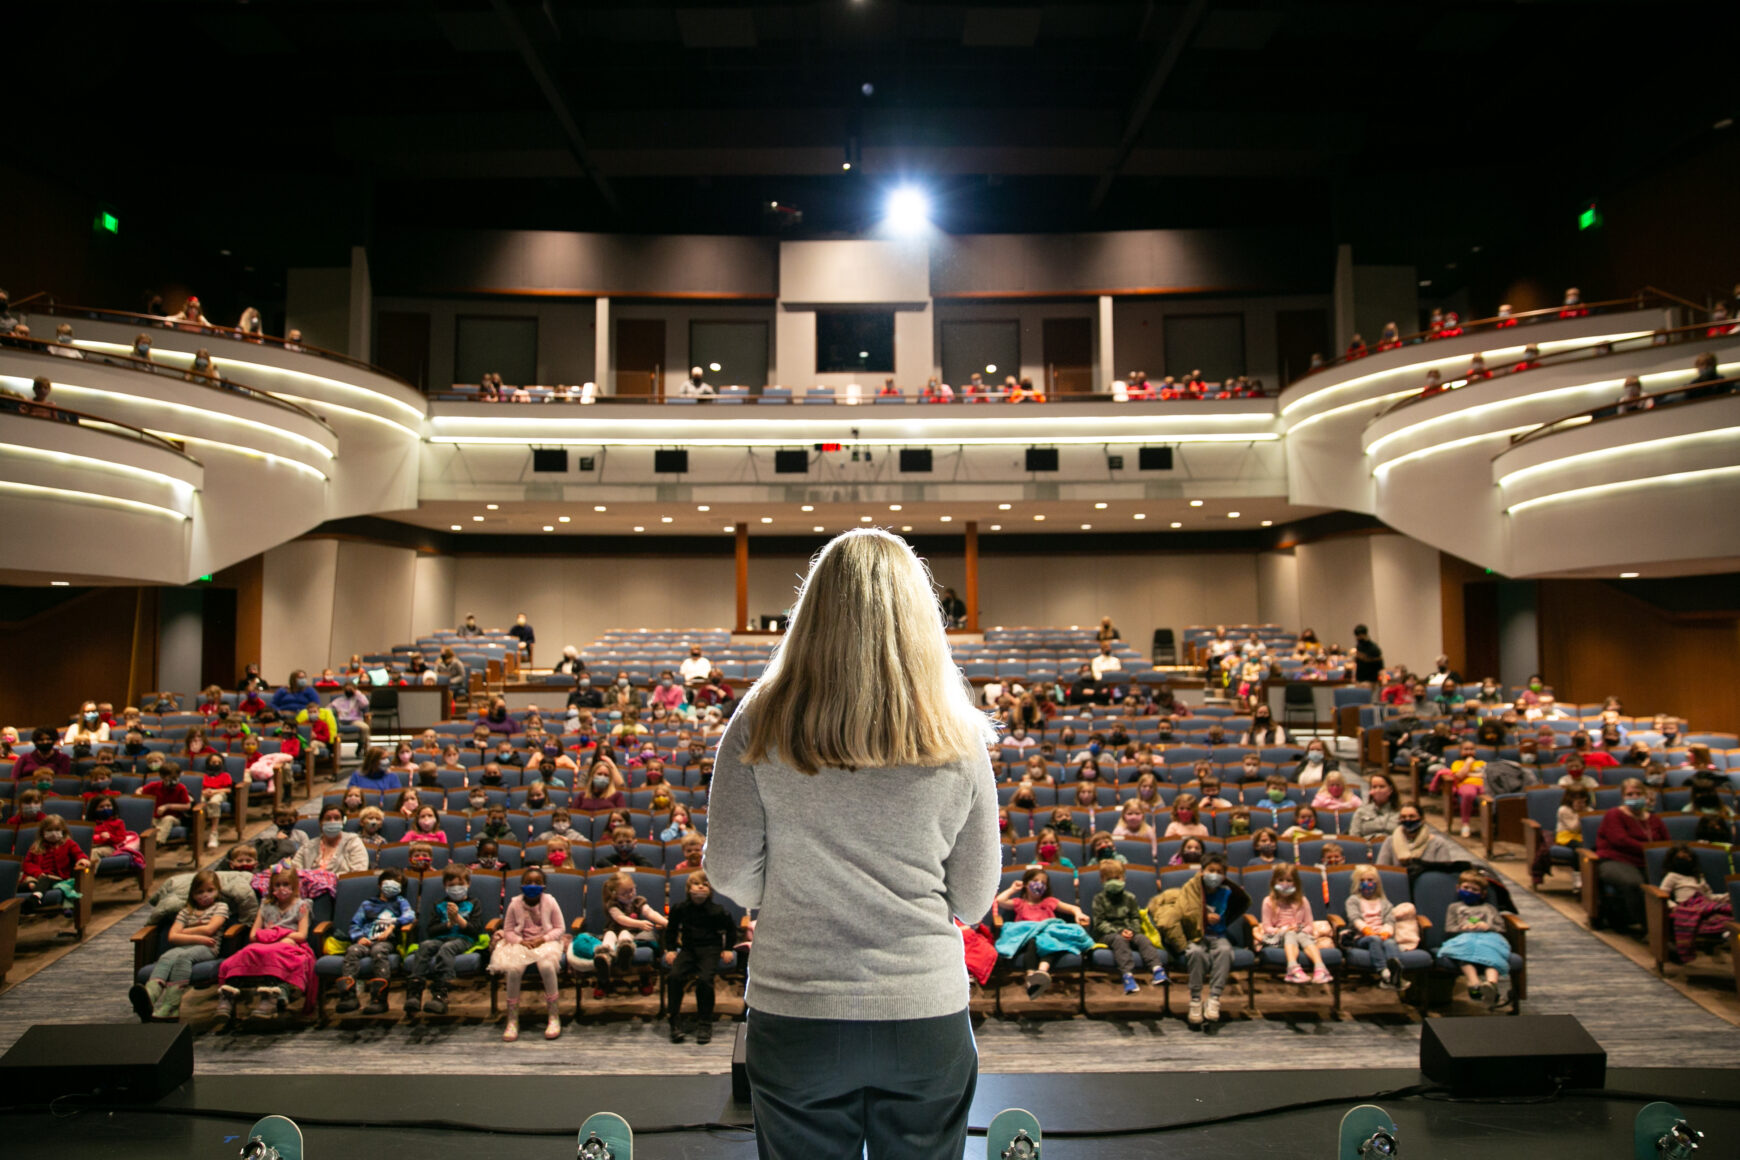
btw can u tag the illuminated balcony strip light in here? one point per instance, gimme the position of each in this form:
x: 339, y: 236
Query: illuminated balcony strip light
x: 1604, y: 488
x: 324, y: 406
x: 88, y: 497
x: 937, y: 430
x: 339, y: 384
x: 879, y: 441
x: 1606, y: 452
x: 1496, y: 405
x: 1497, y: 354
x: 1452, y: 445
x: 250, y: 452
x: 220, y: 416
x: 86, y: 463
x: 1375, y: 403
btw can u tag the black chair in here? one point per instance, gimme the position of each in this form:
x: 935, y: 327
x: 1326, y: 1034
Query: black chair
x: 1296, y: 699
x: 1165, y: 647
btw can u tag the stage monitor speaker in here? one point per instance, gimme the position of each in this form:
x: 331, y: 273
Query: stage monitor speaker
x: 1042, y: 459
x: 549, y: 459
x: 1154, y: 459
x: 740, y: 1090
x: 671, y: 462
x: 915, y: 459
x: 125, y: 1062
x: 791, y: 462
x: 1522, y: 1054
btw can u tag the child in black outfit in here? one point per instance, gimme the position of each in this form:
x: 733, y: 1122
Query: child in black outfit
x: 453, y: 928
x: 695, y: 948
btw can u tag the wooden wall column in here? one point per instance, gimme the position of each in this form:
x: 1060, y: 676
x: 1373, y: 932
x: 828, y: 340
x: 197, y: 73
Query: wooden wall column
x: 742, y: 577
x: 972, y: 575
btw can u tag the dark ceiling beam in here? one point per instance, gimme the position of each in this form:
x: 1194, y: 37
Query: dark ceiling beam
x: 1144, y: 106
x: 532, y: 50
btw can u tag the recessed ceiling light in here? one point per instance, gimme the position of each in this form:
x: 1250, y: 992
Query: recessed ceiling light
x: 767, y: 519
x: 68, y: 583
x: 1087, y: 527
x: 599, y: 507
x: 564, y: 519
x: 549, y: 527
x: 893, y: 507
x: 477, y: 519
x: 906, y: 527
x: 729, y: 528
x: 664, y: 519
x: 458, y: 527
x: 817, y: 528
x: 1040, y: 517
x: 1268, y: 523
x: 1176, y: 524
x: 863, y: 519
x: 1140, y: 516
x: 491, y: 507
x: 1232, y: 515
x: 704, y: 508
x: 638, y: 528
x: 947, y: 519
x: 1195, y: 503
x: 996, y: 527
x: 1628, y: 575
x: 1425, y: 282
x: 1099, y: 507
x: 808, y: 507
x: 1003, y: 507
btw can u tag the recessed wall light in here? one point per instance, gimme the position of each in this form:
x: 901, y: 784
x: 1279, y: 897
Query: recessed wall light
x: 1099, y: 507
x: 599, y: 507
x: 638, y: 528
x: 1628, y: 575
x: 863, y: 519
x: 1195, y: 503
x: 1176, y: 524
x: 477, y: 519
x: 1003, y: 507
x: 60, y: 583
x: 458, y: 527
x: 808, y: 507
x: 491, y: 507
x: 729, y: 528
x: 947, y: 519
x: 1040, y: 518
x: 893, y: 507
x: 704, y: 508
x: 1087, y: 527
x: 1232, y: 515
x: 996, y: 527
x: 549, y: 527
x: 1140, y: 516
x: 817, y: 528
x: 767, y: 519
x: 664, y: 519
x: 564, y: 519
x: 1268, y: 523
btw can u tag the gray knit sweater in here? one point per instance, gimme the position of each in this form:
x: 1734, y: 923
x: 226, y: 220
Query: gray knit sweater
x: 856, y: 875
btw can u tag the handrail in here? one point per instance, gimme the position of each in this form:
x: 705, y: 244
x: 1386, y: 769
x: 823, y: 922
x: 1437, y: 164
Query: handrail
x: 1660, y: 293
x: 30, y: 409
x: 45, y: 349
x: 1636, y: 302
x: 1655, y: 400
x: 1643, y: 342
x: 28, y: 298
x: 160, y: 322
x: 865, y: 400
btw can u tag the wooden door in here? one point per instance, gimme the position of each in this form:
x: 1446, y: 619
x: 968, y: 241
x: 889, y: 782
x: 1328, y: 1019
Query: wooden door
x: 640, y: 356
x: 402, y: 345
x: 1069, y: 355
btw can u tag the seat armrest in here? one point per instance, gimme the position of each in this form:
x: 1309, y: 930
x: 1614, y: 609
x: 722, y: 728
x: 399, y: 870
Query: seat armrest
x: 1515, y: 923
x: 1425, y: 923
x: 144, y: 942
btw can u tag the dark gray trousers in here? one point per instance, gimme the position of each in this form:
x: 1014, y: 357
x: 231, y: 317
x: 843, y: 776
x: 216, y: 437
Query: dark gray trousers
x: 824, y: 1089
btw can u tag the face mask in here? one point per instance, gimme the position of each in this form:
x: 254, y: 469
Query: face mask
x: 1002, y: 823
x: 1284, y: 889
x: 1185, y: 816
x: 1314, y: 757
x: 532, y: 892
x: 44, y: 748
x: 1413, y: 826
x: 390, y: 889
x: 1212, y: 880
x: 458, y: 892
x: 104, y: 815
x: 422, y: 863
x: 622, y: 682
x: 1534, y: 686
x: 1471, y: 897
x: 1115, y: 888
x: 1277, y: 795
x: 1636, y: 803
x: 1368, y: 888
x: 1048, y: 853
x: 478, y: 802
x: 30, y: 810
x: 1191, y: 857
x: 331, y: 829
x: 600, y: 784
x: 1038, y: 887
x: 1267, y: 849
x: 141, y: 349
x: 557, y: 857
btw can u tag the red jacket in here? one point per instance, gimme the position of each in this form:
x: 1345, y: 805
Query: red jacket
x: 1622, y: 835
x: 113, y: 833
x: 56, y: 861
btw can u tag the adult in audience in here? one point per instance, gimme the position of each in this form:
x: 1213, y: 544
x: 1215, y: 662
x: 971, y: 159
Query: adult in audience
x: 1708, y: 374
x: 470, y: 627
x: 1412, y: 841
x: 1573, y: 306
x: 201, y: 368
x: 373, y: 772
x: 585, y: 696
x: 250, y: 324
x: 954, y: 608
x: 334, y: 851
x: 1619, y: 846
x: 88, y: 728
x: 695, y: 386
x: 571, y: 664
x: 1106, y: 661
x: 1086, y: 689
x: 1263, y: 731
x: 9, y: 319
x: 522, y: 632
x: 791, y: 765
x: 191, y: 317
x: 295, y: 695
x: 450, y: 667
x: 43, y: 755
x: 697, y: 668
x: 1380, y: 813
x: 351, y: 708
x: 1368, y: 657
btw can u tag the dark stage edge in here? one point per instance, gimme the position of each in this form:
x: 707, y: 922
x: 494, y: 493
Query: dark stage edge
x: 207, y: 1115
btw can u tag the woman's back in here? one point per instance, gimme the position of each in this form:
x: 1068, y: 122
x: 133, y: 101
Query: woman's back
x: 856, y: 875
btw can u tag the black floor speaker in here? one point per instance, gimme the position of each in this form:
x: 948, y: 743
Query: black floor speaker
x: 740, y: 1064
x: 126, y: 1062
x: 1514, y: 1055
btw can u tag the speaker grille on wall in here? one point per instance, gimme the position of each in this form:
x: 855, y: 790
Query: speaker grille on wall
x: 915, y: 459
x: 1154, y: 459
x: 671, y: 462
x: 1042, y: 459
x: 791, y: 462
x: 128, y: 1062
x: 1520, y: 1055
x: 549, y: 459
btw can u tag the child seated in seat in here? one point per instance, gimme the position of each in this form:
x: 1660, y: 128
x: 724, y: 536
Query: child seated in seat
x: 193, y: 939
x: 29, y: 810
x: 1210, y: 796
x: 109, y: 834
x: 454, y: 927
x: 1373, y: 922
x: 1476, y: 941
x: 1334, y: 794
x: 629, y: 921
x: 622, y: 850
x: 1265, y: 847
x: 489, y: 855
x: 1117, y: 922
x: 495, y: 824
x: 561, y: 826
x: 352, y: 803
x: 277, y: 961
x: 1304, y: 826
x: 369, y: 823
x: 374, y: 931
x: 1190, y: 853
x: 1286, y: 923
x: 1031, y: 900
x: 693, y: 845
x: 425, y: 827
x: 1133, y: 823
x: 1102, y: 848
x: 243, y: 858
x: 558, y: 852
x: 1185, y: 821
x: 1240, y: 825
x: 1695, y: 908
x: 52, y: 862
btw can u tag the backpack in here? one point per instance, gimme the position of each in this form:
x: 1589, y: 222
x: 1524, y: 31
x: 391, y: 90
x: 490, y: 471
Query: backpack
x: 1508, y: 777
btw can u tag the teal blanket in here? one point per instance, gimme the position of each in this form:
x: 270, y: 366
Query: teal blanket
x: 1053, y: 936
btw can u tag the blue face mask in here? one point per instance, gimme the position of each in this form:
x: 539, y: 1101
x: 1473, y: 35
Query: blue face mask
x: 1636, y: 803
x: 332, y: 829
x: 1471, y: 897
x: 390, y: 889
x: 1368, y: 888
x: 532, y: 892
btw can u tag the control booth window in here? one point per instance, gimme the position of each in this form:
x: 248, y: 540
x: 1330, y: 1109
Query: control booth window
x: 854, y: 340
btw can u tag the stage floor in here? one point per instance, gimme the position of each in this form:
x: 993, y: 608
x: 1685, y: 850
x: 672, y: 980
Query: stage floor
x: 1087, y: 1117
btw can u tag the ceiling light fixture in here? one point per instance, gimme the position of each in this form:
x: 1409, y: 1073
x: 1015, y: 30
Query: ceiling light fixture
x: 1099, y: 507
x: 1087, y: 527
x: 817, y: 528
x: 477, y: 519
x: 1268, y: 523
x: 68, y: 583
x: 1195, y: 503
x: 1003, y: 507
x: 490, y: 507
x: 638, y: 528
x: 458, y: 527
x: 893, y: 507
x: 947, y: 519
x: 1176, y: 524
x: 1140, y: 516
x: 863, y: 519
x: 664, y: 519
x: 704, y: 508
x: 1628, y: 575
x: 767, y: 519
x: 598, y: 507
x: 549, y: 527
x: 564, y: 519
x: 1232, y: 515
x: 1040, y: 518
x: 808, y: 507
x: 996, y: 527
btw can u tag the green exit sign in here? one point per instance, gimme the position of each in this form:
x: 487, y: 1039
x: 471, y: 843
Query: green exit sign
x: 106, y: 223
x: 1589, y: 218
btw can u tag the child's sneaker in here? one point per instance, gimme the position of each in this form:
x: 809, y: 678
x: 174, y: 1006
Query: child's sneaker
x: 1474, y: 994
x: 1038, y: 982
x: 1195, y: 1015
x: 1466, y: 831
x: 1322, y: 975
x: 677, y: 1035
x: 511, y: 1030
x: 1211, y: 1009
x: 1296, y: 974
x: 1387, y: 979
x: 144, y: 998
x: 212, y: 842
x: 1490, y: 997
x: 1129, y: 984
x: 704, y: 1031
x: 1159, y: 976
x: 598, y: 992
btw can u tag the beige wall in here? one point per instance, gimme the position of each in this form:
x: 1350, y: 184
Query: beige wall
x: 432, y: 578
x: 372, y: 600
x: 1390, y: 583
x: 296, y: 607
x: 1278, y: 589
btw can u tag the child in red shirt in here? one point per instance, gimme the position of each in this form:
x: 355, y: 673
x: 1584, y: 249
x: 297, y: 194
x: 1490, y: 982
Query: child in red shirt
x: 214, y: 791
x: 172, y: 798
x: 52, y: 861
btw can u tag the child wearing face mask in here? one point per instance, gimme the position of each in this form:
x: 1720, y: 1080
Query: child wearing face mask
x: 214, y: 790
x: 1373, y: 921
x: 29, y: 810
x: 282, y: 839
x: 1031, y: 901
x: 1102, y: 847
x: 1265, y: 846
x: 1304, y: 826
x: 193, y: 939
x: 454, y: 927
x: 1315, y: 766
x: 489, y: 855
x: 696, y: 944
x: 109, y: 833
x: 52, y: 863
x: 1193, y: 920
x: 1133, y: 823
x: 1476, y: 942
x: 495, y: 825
x: 1695, y: 908
x: 1186, y: 821
x: 602, y: 791
x: 1275, y: 791
x: 173, y: 802
x: 1286, y: 923
x: 561, y: 826
x: 1117, y: 922
x: 374, y: 933
x: 531, y: 936
x: 622, y: 851
x: 425, y: 827
x: 277, y: 961
x: 1334, y: 794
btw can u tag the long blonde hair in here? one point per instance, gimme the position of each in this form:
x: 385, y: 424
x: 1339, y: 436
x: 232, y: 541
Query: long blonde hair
x: 864, y: 678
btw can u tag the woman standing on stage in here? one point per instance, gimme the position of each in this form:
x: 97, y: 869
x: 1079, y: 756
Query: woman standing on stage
x: 853, y: 803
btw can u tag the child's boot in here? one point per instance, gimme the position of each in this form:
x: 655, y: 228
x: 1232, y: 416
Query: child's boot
x: 704, y: 1031
x: 413, y: 996
x: 347, y: 998
x: 226, y: 1004
x: 169, y: 1003
x: 511, y: 1029
x: 377, y: 997
x: 437, y: 1004
x: 677, y: 1035
x: 266, y: 1002
x: 145, y: 997
x: 553, y: 1017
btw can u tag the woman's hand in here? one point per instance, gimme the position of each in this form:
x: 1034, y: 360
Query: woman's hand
x: 671, y: 958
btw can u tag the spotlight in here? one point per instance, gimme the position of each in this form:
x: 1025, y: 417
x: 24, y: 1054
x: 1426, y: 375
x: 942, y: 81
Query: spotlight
x: 908, y: 210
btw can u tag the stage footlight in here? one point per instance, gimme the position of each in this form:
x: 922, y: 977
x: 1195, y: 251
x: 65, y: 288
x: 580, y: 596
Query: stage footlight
x: 908, y: 210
